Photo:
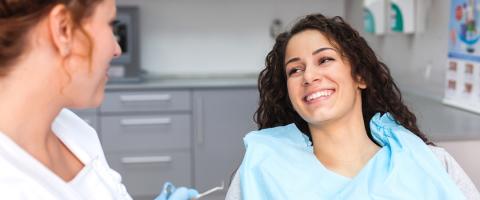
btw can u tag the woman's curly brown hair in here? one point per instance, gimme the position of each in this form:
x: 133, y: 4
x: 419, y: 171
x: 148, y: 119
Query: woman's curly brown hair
x: 381, y: 95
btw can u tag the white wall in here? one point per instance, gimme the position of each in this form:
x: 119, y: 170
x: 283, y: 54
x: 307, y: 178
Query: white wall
x: 409, y: 56
x: 215, y: 36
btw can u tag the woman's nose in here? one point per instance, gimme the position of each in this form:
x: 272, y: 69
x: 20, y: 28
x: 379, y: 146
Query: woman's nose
x: 310, y: 76
x: 118, y: 50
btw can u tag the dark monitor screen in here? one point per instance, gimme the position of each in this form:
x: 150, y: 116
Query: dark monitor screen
x: 126, y: 67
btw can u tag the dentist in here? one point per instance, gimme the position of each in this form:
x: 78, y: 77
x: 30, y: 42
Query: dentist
x: 54, y: 54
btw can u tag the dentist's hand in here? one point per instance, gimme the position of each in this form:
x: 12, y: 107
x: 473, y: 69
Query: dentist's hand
x: 169, y: 192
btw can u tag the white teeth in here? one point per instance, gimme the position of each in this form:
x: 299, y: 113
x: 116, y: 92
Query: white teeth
x: 323, y: 93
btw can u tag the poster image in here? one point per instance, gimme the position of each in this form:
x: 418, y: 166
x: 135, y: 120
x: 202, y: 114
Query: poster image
x: 462, y: 81
x: 464, y: 30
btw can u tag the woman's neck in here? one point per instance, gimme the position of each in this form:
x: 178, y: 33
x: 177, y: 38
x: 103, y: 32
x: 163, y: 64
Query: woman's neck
x: 343, y: 146
x: 30, y: 99
x: 29, y: 104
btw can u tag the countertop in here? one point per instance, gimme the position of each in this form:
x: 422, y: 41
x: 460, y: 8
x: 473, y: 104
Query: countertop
x: 437, y: 120
x: 441, y: 122
x: 186, y: 82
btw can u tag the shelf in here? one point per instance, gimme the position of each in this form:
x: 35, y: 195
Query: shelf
x: 462, y: 105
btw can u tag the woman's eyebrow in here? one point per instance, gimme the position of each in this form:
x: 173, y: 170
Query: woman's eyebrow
x: 323, y: 49
x: 292, y: 60
x: 315, y: 52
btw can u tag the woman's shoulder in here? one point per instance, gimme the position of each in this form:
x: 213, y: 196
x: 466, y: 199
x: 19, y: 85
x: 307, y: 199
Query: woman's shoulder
x: 456, y: 172
x: 441, y: 154
x: 448, y: 162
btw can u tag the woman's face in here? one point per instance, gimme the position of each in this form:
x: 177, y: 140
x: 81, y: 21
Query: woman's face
x: 87, y: 84
x: 319, y: 81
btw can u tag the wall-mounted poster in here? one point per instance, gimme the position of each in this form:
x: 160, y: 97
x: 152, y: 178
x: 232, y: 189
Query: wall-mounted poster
x: 462, y: 85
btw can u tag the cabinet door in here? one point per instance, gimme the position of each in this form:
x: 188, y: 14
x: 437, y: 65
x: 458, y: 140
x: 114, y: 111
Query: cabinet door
x: 222, y: 117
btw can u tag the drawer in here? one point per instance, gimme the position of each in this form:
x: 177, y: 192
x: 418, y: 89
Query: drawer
x: 147, y: 101
x: 144, y: 174
x: 145, y: 132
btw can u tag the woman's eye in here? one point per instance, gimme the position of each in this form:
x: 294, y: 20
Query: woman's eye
x: 325, y: 60
x: 294, y: 70
x: 113, y: 23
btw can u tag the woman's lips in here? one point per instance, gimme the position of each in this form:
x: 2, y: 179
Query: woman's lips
x: 318, y: 95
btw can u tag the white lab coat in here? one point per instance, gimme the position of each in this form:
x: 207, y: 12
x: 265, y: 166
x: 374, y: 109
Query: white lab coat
x: 24, y: 177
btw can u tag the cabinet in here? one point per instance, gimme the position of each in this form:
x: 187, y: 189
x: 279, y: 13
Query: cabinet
x: 222, y: 117
x: 146, y: 136
x: 191, y: 136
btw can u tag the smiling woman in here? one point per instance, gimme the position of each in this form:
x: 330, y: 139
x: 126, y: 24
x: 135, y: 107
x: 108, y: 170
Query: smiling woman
x: 333, y: 126
x: 319, y: 81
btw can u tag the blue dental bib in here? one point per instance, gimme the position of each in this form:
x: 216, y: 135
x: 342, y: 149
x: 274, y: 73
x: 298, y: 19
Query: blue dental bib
x: 279, y: 164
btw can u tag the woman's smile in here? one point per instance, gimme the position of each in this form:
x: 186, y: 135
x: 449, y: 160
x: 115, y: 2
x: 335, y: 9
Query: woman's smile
x: 318, y: 96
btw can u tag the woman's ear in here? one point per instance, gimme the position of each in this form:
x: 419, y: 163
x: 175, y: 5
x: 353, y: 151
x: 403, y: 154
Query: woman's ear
x: 361, y: 83
x: 362, y: 86
x: 61, y: 29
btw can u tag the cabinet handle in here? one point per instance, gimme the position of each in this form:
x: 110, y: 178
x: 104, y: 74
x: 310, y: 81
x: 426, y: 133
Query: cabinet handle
x: 199, y: 120
x: 145, y: 97
x: 146, y: 159
x: 148, y: 121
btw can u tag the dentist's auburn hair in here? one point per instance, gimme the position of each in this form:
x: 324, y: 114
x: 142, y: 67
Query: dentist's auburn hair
x: 381, y: 95
x: 18, y: 17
